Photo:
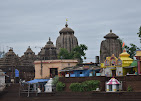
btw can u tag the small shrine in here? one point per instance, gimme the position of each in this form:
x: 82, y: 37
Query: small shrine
x: 49, y: 86
x: 113, y: 85
x: 120, y: 66
x: 112, y: 66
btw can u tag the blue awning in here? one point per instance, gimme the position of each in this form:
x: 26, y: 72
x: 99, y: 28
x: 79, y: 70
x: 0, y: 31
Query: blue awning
x: 37, y: 80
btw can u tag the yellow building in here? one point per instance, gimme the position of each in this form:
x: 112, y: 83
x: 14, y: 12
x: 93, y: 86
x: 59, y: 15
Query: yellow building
x: 120, y: 66
x: 126, y: 62
x: 50, y: 68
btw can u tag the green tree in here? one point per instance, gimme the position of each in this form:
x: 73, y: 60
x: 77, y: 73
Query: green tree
x: 131, y: 50
x: 77, y: 53
x: 139, y: 34
x: 64, y: 54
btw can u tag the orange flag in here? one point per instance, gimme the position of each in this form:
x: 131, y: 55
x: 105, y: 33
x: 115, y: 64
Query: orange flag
x: 123, y: 44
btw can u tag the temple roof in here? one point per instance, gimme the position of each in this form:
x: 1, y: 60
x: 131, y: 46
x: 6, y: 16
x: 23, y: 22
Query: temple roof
x: 111, y: 35
x: 29, y: 50
x: 49, y: 44
x: 138, y: 53
x: 10, y: 52
x: 113, y: 81
x: 66, y: 30
x: 124, y: 54
x: 126, y: 60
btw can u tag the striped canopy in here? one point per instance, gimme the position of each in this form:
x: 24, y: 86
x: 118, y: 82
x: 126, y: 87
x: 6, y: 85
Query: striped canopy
x: 113, y: 81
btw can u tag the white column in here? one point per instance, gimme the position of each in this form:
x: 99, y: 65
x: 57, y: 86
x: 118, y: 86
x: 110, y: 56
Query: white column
x: 114, y: 88
x: 107, y: 88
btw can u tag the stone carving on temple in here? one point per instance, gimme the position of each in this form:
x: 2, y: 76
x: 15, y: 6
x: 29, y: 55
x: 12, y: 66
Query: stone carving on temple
x: 10, y: 59
x: 28, y: 58
x: 48, y: 52
x: 113, y: 61
x: 66, y: 39
x: 110, y: 46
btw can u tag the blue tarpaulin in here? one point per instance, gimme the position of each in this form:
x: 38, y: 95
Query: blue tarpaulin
x: 16, y: 73
x: 37, y: 80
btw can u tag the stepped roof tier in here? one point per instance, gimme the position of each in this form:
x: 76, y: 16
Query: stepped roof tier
x: 126, y: 60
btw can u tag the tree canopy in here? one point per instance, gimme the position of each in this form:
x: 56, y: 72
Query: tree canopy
x: 131, y: 50
x: 139, y: 34
x: 77, y: 53
x: 64, y: 54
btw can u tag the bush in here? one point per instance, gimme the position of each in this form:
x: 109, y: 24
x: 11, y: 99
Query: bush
x: 60, y: 86
x: 84, y: 86
x: 55, y: 80
x: 129, y: 88
x: 76, y: 87
x: 91, y: 85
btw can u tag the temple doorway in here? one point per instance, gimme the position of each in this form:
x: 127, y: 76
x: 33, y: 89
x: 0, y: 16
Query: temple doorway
x: 53, y: 72
x: 113, y: 73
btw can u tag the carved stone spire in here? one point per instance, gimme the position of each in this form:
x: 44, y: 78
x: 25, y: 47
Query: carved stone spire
x: 66, y: 39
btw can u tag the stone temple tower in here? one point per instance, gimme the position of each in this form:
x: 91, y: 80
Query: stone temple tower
x: 110, y: 46
x: 48, y: 52
x: 66, y: 39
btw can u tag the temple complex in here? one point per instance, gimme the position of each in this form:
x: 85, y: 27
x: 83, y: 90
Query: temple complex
x: 110, y: 46
x: 66, y: 39
x: 25, y: 64
x: 48, y: 52
x: 10, y: 62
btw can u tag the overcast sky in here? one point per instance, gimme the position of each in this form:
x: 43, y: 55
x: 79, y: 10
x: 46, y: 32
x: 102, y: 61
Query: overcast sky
x: 26, y: 23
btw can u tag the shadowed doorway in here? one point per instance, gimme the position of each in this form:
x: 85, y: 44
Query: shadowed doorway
x: 53, y: 72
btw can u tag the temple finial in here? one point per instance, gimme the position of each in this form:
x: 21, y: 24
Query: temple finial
x: 49, y: 38
x: 66, y: 23
x: 110, y: 30
x: 124, y: 50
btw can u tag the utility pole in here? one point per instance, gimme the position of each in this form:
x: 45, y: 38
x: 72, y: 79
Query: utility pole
x: 41, y: 62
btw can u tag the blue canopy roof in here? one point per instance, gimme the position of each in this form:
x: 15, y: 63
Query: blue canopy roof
x: 37, y: 80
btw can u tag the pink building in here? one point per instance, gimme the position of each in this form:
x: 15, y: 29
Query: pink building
x: 138, y: 57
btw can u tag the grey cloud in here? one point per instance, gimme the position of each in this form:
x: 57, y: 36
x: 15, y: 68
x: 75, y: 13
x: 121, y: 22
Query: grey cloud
x: 31, y: 22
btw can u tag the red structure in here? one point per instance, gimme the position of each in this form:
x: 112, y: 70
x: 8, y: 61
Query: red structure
x: 138, y: 57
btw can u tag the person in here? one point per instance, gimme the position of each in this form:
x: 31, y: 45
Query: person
x: 38, y: 90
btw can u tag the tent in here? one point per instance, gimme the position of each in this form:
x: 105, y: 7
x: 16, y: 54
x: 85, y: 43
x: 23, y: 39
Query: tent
x: 37, y: 81
x: 34, y: 82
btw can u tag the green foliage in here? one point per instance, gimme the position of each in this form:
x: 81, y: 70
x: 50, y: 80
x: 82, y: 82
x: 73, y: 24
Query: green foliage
x: 129, y: 88
x: 64, y: 54
x: 91, y: 85
x: 85, y: 86
x: 131, y: 50
x: 55, y: 80
x: 76, y: 53
x: 60, y: 86
x: 76, y: 87
x: 139, y: 34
